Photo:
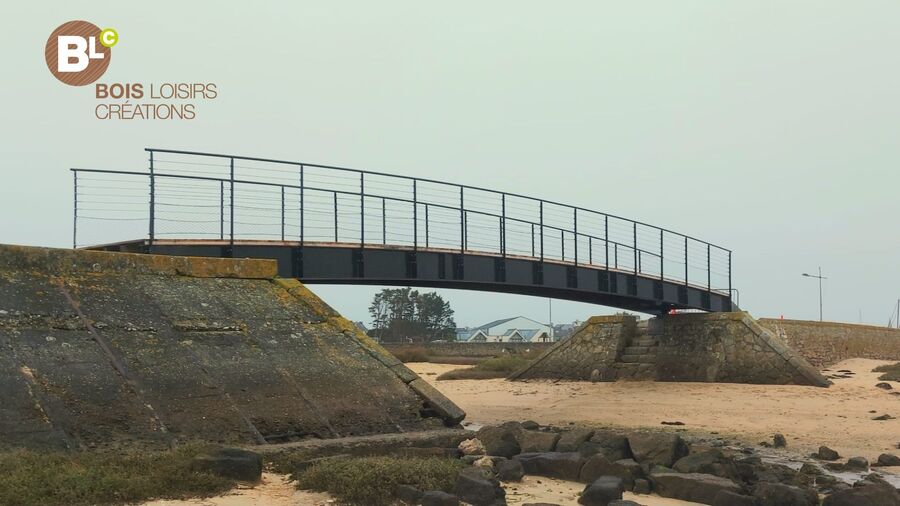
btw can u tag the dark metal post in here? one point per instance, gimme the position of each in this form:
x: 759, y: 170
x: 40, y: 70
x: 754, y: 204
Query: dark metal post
x: 634, y: 243
x: 616, y: 254
x: 532, y: 240
x: 708, y: 269
x: 562, y: 242
x: 503, y: 225
x: 362, y: 211
x: 301, y: 207
x: 729, y: 276
x: 221, y: 210
x: 685, y: 261
x: 542, y: 230
x: 152, y: 231
x: 415, y: 216
x: 383, y: 221
x: 590, y: 250
x: 575, y: 214
x: 231, y: 210
x: 335, y: 218
x: 661, y: 257
x: 282, y: 214
x: 75, y: 210
x: 606, y: 240
x: 462, y: 220
x: 426, y: 226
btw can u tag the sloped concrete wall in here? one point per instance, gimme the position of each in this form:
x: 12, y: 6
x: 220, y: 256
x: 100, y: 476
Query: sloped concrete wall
x: 103, y: 349
x: 594, y: 345
x: 825, y: 343
x: 728, y: 348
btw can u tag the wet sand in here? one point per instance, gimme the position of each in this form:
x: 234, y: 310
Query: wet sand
x: 839, y: 416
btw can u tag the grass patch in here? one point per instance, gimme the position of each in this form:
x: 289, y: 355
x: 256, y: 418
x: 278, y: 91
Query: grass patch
x: 74, y: 479
x: 497, y: 367
x: 372, y: 480
x: 891, y: 372
x: 412, y: 354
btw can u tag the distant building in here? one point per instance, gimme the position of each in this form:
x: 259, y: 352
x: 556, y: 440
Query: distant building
x: 508, y: 330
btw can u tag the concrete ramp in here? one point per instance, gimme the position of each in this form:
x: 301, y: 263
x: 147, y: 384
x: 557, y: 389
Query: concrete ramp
x: 707, y: 347
x: 103, y: 349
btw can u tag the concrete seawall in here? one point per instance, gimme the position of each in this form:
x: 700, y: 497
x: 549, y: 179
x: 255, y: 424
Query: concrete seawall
x: 461, y: 349
x: 826, y: 343
x: 105, y: 349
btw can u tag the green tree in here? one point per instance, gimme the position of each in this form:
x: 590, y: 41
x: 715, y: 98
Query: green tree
x: 404, y: 314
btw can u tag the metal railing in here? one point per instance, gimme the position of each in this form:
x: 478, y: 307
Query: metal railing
x: 194, y: 195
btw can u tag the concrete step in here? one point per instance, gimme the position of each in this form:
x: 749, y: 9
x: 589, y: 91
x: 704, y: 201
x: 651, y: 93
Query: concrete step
x: 644, y: 341
x: 639, y: 350
x: 638, y: 359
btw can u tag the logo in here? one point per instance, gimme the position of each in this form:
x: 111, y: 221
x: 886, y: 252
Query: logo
x: 78, y: 52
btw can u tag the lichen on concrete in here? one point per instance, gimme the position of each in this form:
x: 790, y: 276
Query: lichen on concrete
x: 102, y: 349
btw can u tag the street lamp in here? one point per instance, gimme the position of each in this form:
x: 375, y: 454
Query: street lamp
x: 820, y: 278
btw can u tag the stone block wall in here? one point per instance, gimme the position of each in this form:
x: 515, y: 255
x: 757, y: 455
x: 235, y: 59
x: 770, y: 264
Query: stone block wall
x: 460, y: 349
x: 594, y: 345
x: 826, y: 343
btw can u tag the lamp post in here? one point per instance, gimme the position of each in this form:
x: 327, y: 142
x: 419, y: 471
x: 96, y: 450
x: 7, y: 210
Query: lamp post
x: 820, y: 278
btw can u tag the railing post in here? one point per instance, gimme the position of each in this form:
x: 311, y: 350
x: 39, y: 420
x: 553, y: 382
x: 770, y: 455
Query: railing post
x: 282, y: 214
x: 562, y: 243
x: 426, y: 226
x: 462, y: 220
x: 575, y: 220
x: 729, y: 280
x: 685, y: 261
x: 231, y: 210
x: 542, y: 230
x: 606, y: 241
x: 503, y: 225
x: 301, y: 207
x: 75, y: 210
x: 362, y: 211
x: 708, y: 269
x: 221, y: 210
x: 590, y: 250
x: 532, y: 240
x: 152, y: 231
x: 415, y: 216
x: 383, y: 221
x: 661, y: 257
x: 634, y: 243
x: 335, y: 218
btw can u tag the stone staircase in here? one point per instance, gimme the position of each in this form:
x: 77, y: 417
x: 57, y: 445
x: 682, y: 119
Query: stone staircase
x: 637, y: 361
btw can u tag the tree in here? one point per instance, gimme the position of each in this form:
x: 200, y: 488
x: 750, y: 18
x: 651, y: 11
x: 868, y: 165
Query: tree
x: 404, y: 314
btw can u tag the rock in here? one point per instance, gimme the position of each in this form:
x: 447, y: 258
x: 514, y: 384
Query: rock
x: 728, y: 498
x: 598, y: 465
x: 540, y: 504
x: 510, y: 470
x: 870, y: 494
x: 596, y: 376
x: 752, y: 470
x: 565, y: 466
x: 662, y: 449
x: 485, y: 463
x: 779, y: 441
x: 234, y: 463
x: 694, y: 487
x: 826, y: 453
x: 530, y: 425
x: 886, y: 459
x: 501, y: 440
x: 779, y: 494
x: 884, y: 386
x: 624, y: 502
x: 570, y: 440
x: 472, y: 447
x: 438, y: 498
x: 533, y: 441
x: 408, y: 494
x: 641, y: 486
x: 602, y: 491
x: 708, y: 462
x: 883, y: 417
x: 857, y: 464
x: 613, y: 447
x: 477, y: 487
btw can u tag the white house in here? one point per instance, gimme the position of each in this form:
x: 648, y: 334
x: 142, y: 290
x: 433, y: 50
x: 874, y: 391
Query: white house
x: 507, y: 330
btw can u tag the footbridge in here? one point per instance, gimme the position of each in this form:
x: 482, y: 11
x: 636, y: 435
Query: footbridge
x: 336, y: 225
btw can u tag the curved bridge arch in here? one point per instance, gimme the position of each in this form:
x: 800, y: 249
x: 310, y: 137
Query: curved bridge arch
x: 327, y: 224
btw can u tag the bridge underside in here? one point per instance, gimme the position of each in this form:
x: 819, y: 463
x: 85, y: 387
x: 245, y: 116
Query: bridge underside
x: 331, y: 263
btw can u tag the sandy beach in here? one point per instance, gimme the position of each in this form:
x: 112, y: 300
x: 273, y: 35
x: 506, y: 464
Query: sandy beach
x: 839, y: 416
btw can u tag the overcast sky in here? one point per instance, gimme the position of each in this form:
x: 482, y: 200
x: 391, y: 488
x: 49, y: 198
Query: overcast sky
x: 769, y: 127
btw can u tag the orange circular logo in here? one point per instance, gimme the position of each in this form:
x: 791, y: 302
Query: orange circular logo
x: 78, y: 52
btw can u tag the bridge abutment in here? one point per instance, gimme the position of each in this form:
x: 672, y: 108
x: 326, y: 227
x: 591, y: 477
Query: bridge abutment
x: 704, y: 347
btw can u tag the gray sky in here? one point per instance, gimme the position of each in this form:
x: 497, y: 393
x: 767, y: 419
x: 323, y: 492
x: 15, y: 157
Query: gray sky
x: 768, y: 127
